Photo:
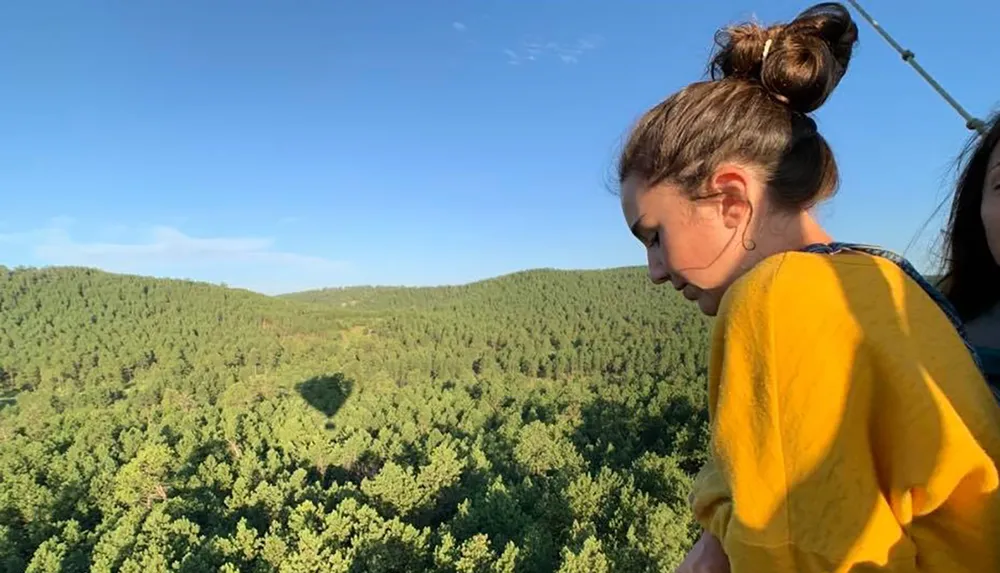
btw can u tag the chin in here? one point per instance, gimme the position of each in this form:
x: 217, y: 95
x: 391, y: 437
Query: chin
x: 707, y: 305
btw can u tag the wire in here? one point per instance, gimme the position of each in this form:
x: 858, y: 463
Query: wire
x: 908, y: 56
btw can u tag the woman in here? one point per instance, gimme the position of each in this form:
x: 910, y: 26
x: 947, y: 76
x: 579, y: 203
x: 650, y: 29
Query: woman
x: 851, y: 428
x: 972, y: 277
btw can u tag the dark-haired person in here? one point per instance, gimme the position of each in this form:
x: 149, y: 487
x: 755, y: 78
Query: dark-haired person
x: 972, y: 277
x: 850, y: 426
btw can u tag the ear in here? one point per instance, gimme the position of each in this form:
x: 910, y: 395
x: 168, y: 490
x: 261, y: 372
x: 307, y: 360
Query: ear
x: 731, y: 183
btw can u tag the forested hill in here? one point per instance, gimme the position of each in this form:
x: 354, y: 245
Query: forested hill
x: 540, y: 421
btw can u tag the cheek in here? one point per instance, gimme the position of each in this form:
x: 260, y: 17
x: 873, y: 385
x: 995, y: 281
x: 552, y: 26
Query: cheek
x: 697, y: 252
x: 990, y: 212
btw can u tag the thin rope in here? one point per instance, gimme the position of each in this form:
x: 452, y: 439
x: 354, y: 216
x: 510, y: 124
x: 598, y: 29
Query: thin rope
x: 971, y: 122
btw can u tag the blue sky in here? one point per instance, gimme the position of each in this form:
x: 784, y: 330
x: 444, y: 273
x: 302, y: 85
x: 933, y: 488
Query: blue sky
x: 288, y: 145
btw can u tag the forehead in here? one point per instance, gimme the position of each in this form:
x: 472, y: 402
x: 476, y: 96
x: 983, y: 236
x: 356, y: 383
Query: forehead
x: 640, y: 201
x: 632, y: 193
x: 994, y: 160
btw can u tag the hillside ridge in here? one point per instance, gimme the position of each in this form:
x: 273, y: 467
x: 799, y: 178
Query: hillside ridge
x: 536, y: 271
x: 530, y: 272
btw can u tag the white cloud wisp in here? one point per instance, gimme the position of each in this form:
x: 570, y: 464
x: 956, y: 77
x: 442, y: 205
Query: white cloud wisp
x: 565, y: 53
x: 249, y: 262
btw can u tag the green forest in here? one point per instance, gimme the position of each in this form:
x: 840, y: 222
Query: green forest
x: 540, y: 421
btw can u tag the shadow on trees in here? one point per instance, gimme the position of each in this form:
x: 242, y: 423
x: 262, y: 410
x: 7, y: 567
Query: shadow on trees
x: 8, y: 398
x: 326, y: 393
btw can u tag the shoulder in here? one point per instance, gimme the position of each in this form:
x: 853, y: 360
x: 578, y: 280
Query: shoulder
x: 843, y: 303
x: 848, y: 307
x: 790, y: 307
x: 865, y: 288
x: 786, y: 282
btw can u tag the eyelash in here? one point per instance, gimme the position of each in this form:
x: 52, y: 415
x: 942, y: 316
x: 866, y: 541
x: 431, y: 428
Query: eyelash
x: 655, y: 240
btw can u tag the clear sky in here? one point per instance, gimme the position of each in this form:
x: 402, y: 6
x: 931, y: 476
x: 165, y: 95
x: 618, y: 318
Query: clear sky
x: 280, y: 145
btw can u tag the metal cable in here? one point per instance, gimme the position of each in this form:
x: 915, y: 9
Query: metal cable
x: 908, y: 56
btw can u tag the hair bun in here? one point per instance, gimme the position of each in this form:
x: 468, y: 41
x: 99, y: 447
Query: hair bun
x: 805, y: 60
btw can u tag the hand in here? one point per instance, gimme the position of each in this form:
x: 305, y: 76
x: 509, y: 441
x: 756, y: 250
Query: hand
x: 707, y: 556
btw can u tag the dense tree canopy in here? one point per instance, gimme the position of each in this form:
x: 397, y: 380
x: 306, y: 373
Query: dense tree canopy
x: 541, y: 421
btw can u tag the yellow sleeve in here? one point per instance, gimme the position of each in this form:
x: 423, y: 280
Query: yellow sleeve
x: 814, y: 466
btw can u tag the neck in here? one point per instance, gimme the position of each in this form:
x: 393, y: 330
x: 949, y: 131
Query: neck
x: 984, y: 330
x: 811, y: 232
x: 789, y: 233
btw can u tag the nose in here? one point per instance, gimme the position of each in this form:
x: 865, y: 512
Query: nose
x: 657, y: 272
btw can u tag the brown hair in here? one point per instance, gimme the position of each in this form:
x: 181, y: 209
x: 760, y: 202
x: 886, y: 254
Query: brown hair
x: 753, y: 110
x: 972, y: 277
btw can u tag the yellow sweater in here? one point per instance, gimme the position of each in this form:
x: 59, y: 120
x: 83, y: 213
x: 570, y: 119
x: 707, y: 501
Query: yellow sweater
x: 851, y: 430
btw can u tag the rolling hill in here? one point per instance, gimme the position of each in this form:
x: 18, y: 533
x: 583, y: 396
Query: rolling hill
x: 539, y: 421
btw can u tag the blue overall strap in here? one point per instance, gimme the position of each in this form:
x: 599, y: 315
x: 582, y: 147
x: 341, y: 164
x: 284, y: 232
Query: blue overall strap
x: 935, y: 294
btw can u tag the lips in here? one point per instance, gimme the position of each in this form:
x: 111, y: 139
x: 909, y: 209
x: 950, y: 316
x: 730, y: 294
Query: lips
x: 683, y: 287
